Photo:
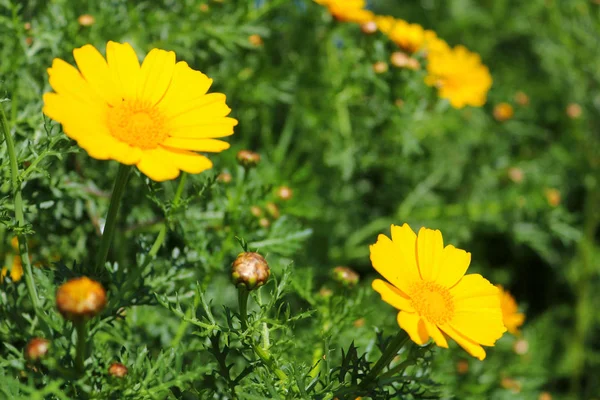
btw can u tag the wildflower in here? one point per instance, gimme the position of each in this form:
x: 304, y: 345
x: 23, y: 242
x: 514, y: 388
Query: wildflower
x: 427, y: 284
x: 284, y: 193
x: 553, y: 197
x: 155, y: 116
x: 380, y: 67
x: 459, y: 76
x: 346, y: 276
x: 511, y: 318
x: 255, y: 40
x: 86, y: 20
x: 516, y: 174
x: 503, y: 112
x: 36, y: 349
x: 250, y: 270
x: 16, y: 270
x: 117, y: 370
x: 574, y: 110
x: 80, y: 298
x: 247, y: 158
x: 348, y: 10
x: 409, y: 37
x: 521, y: 98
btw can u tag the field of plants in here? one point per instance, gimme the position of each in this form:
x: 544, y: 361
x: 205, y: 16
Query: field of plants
x: 300, y: 199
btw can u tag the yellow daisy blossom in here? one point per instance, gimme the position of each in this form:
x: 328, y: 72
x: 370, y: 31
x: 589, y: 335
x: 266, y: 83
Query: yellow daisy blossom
x: 155, y: 115
x: 427, y: 283
x: 16, y: 271
x: 348, y: 10
x: 410, y: 37
x: 459, y: 76
x: 511, y: 316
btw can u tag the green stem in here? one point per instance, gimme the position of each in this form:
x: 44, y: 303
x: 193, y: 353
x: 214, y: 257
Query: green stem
x: 111, y: 217
x: 388, y: 355
x: 82, y: 332
x: 243, y: 305
x: 19, y: 215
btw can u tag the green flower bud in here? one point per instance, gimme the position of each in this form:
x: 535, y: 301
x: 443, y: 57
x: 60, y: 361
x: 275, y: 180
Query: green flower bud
x: 346, y: 276
x: 247, y: 158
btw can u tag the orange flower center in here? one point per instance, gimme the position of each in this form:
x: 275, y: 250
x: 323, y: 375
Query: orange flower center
x: 432, y: 301
x: 137, y: 124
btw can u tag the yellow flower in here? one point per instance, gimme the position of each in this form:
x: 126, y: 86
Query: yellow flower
x: 459, y: 76
x: 80, y: 298
x: 503, y: 112
x: 348, y: 10
x: 427, y: 283
x: 16, y: 271
x: 511, y: 316
x: 410, y: 37
x: 155, y: 116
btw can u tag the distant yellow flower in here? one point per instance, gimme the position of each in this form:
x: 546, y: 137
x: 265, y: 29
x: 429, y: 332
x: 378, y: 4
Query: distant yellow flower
x: 511, y: 316
x: 459, y: 76
x: 503, y: 112
x: 427, y: 283
x: 348, y: 10
x: 409, y: 37
x: 155, y: 116
x: 80, y: 299
x: 16, y: 271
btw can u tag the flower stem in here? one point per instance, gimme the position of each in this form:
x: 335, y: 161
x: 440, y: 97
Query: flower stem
x: 388, y: 355
x: 111, y: 217
x: 243, y: 305
x: 19, y: 215
x: 82, y: 332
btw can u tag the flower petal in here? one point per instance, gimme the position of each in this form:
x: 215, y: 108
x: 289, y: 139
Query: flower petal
x: 156, y: 166
x: 470, y: 346
x: 392, y: 295
x: 437, y: 336
x: 95, y: 70
x: 125, y: 68
x: 75, y: 116
x: 210, y: 129
x: 156, y: 74
x: 210, y: 107
x: 66, y: 80
x: 186, y: 160
x: 455, y: 263
x: 105, y: 147
x: 430, y: 248
x: 389, y: 260
x: 186, y: 86
x: 206, y: 145
x: 414, y: 326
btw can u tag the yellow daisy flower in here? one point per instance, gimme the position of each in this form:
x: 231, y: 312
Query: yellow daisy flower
x: 410, y: 37
x: 16, y: 272
x: 427, y: 283
x: 155, y: 115
x: 511, y: 316
x: 459, y: 76
x: 348, y: 10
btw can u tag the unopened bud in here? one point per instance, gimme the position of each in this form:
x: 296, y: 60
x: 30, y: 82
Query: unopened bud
x: 273, y: 210
x: 516, y: 174
x: 521, y: 98
x: 545, y: 396
x: 224, y: 177
x: 521, y: 347
x: 574, y: 110
x: 27, y: 26
x: 462, y: 367
x: 511, y: 384
x: 325, y: 292
x: 380, y: 67
x: 256, y: 211
x: 264, y: 222
x: 36, y: 349
x: 369, y: 28
x: 255, y: 40
x: 346, y: 276
x: 553, y: 197
x: 117, y: 370
x: 403, y: 60
x: 86, y: 20
x: 284, y: 193
x: 80, y: 299
x: 503, y: 112
x: 204, y: 7
x: 250, y: 270
x: 247, y: 158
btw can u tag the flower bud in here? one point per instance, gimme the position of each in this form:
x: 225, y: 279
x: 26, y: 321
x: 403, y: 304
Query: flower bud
x: 521, y: 347
x: 516, y: 174
x: 224, y: 177
x: 462, y: 367
x: 86, y: 20
x: 247, y: 158
x: 80, y: 299
x: 204, y: 7
x: 403, y: 60
x: 553, y: 197
x: 250, y: 270
x: 284, y: 193
x: 521, y: 98
x: 380, y: 67
x: 255, y: 40
x: 346, y: 276
x: 256, y: 211
x: 369, y: 28
x: 272, y: 210
x: 574, y: 110
x: 27, y: 26
x: 36, y: 349
x: 503, y: 112
x: 545, y: 396
x: 264, y: 222
x: 117, y: 370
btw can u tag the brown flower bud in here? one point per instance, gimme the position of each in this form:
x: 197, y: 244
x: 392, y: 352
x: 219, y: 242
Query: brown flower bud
x: 545, y: 396
x: 224, y: 177
x: 80, y: 299
x: 256, y: 211
x: 369, y: 28
x: 27, y: 26
x: 247, y: 158
x: 86, y: 20
x: 255, y: 40
x: 346, y: 276
x: 574, y: 110
x: 521, y: 347
x: 272, y: 210
x: 503, y: 112
x: 521, y: 98
x: 380, y: 67
x: 516, y: 174
x: 284, y: 193
x: 36, y: 349
x: 204, y: 7
x: 403, y: 60
x: 264, y: 222
x: 117, y: 370
x: 325, y: 292
x: 250, y: 270
x: 359, y: 323
x: 462, y: 367
x: 553, y: 197
x: 511, y: 384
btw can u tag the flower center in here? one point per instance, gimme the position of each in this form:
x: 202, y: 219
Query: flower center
x: 137, y: 124
x: 432, y: 301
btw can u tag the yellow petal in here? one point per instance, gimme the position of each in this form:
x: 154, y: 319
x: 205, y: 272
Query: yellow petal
x: 156, y: 166
x: 484, y: 327
x: 186, y: 86
x: 206, y: 145
x: 430, y: 248
x: 76, y: 116
x: 414, y: 326
x: 125, y: 68
x: 455, y: 263
x: 471, y: 347
x: 437, y: 336
x: 66, y: 80
x: 387, y: 259
x: 187, y: 161
x: 155, y: 76
x: 105, y: 147
x: 474, y: 285
x: 208, y: 108
x: 210, y: 129
x: 392, y: 295
x: 95, y: 70
x: 405, y: 241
